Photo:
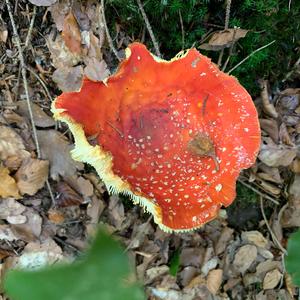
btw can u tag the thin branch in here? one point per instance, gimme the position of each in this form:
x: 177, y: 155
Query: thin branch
x: 182, y: 30
x: 252, y: 53
x: 258, y: 192
x: 230, y: 50
x: 23, y: 72
x: 25, y: 83
x: 274, y: 238
x: 102, y: 22
x: 40, y: 81
x: 228, y: 6
x: 149, y: 28
x: 28, y: 37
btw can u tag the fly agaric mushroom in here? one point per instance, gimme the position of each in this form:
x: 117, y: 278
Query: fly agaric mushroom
x: 173, y: 135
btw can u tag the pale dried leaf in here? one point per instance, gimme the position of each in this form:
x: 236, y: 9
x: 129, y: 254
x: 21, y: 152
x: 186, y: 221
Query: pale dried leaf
x: 186, y: 275
x: 116, y: 211
x: 296, y: 166
x: 16, y: 220
x: 68, y: 79
x: 11, y: 144
x: 276, y: 155
x: 266, y: 100
x: 58, y: 12
x: 42, y: 2
x: 224, y: 38
x: 294, y: 189
x: 225, y: 237
x: 32, y: 175
x: 71, y: 34
x: 272, y: 279
x: 214, y: 280
x: 3, y: 34
x: 244, y: 258
x: 209, y: 265
x: 155, y: 272
x: 61, y: 56
x: 96, y: 70
x: 41, y: 119
x: 56, y: 149
x: 270, y: 126
x: 267, y: 266
x: 8, y: 186
x: 255, y: 237
x: 10, y: 207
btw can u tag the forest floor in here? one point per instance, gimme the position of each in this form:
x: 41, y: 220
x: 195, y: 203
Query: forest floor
x: 50, y: 204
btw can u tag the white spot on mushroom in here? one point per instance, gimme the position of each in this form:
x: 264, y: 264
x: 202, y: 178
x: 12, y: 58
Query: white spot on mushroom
x: 218, y: 187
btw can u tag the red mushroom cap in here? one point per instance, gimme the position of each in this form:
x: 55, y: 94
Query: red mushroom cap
x: 173, y: 135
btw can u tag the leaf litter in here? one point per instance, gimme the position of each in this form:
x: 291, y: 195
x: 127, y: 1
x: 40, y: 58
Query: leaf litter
x: 215, y: 262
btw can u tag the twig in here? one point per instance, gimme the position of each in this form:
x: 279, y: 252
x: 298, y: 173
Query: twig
x: 24, y: 78
x: 149, y: 28
x: 252, y: 53
x: 182, y: 30
x: 288, y: 75
x: 258, y: 192
x: 230, y: 50
x: 40, y: 81
x: 274, y: 238
x: 28, y: 37
x: 228, y: 6
x: 109, y: 39
x: 23, y: 72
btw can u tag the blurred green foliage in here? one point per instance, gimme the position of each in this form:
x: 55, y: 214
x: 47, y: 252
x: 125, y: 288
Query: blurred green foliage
x: 292, y: 259
x: 102, y: 273
x: 267, y: 20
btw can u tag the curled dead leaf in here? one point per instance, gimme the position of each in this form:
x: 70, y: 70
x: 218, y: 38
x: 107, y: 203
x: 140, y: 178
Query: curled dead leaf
x: 214, y: 280
x: 32, y: 175
x: 244, y: 258
x: 272, y: 279
x: 96, y: 70
x: 8, y: 186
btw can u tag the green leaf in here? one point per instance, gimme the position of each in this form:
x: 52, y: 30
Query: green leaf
x: 103, y: 273
x: 174, y: 263
x: 292, y: 260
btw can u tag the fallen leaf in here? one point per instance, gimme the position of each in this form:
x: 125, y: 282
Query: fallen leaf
x: 244, y: 258
x: 8, y: 186
x: 267, y: 104
x: 155, y: 272
x: 55, y: 148
x: 10, y: 207
x: 58, y: 12
x: 41, y: 119
x: 42, y: 2
x: 225, y: 237
x: 255, y: 237
x: 266, y: 266
x: 96, y: 70
x: 270, y: 126
x: 11, y: 144
x: 272, y: 279
x: 296, y: 166
x: 61, y: 56
x: 191, y: 256
x: 32, y: 175
x: 294, y: 189
x: 55, y: 216
x: 71, y: 34
x: 116, y: 211
x: 214, y: 280
x: 186, y: 275
x: 276, y: 155
x: 68, y: 79
x: 67, y: 196
x: 224, y: 38
x: 3, y: 34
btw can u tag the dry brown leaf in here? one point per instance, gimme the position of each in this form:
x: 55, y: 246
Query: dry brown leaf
x: 270, y: 126
x: 11, y: 145
x: 8, y: 186
x: 116, y: 211
x: 223, y: 39
x: 32, y: 175
x: 41, y: 119
x: 68, y: 79
x: 270, y: 174
x: 56, y: 149
x: 58, y: 12
x: 244, y: 258
x: 96, y: 70
x: 276, y: 155
x: 71, y: 34
x: 61, y: 56
x: 55, y: 216
x: 267, y: 105
x: 214, y: 280
x: 284, y: 136
x: 272, y: 279
x: 295, y: 167
x: 268, y: 187
x: 42, y: 2
x: 255, y: 237
x: 10, y: 209
x: 3, y: 34
x: 225, y: 237
x: 267, y: 266
x: 67, y: 196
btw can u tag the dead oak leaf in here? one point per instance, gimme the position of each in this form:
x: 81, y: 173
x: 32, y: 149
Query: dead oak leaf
x: 96, y: 70
x: 8, y: 186
x: 11, y: 145
x: 68, y: 79
x: 32, y: 175
x: 71, y: 34
x: 56, y: 148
